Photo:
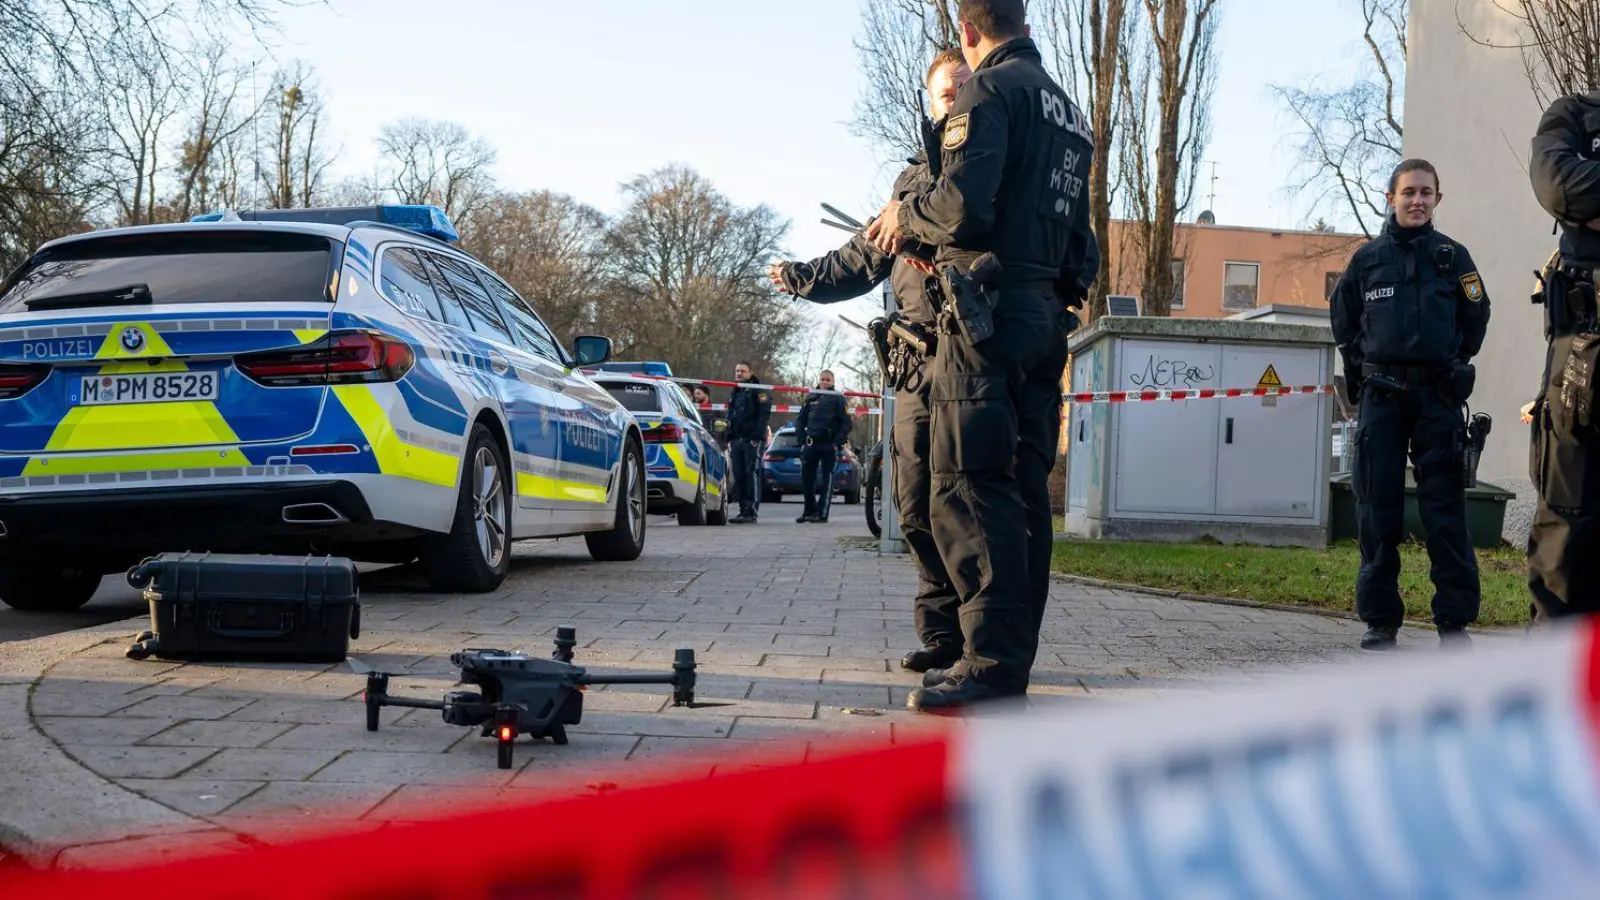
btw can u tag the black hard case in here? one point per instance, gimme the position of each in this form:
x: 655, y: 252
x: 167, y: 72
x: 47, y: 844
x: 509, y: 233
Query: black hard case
x: 206, y: 606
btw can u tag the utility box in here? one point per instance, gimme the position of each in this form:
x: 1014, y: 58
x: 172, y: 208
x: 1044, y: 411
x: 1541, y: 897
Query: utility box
x: 1248, y: 470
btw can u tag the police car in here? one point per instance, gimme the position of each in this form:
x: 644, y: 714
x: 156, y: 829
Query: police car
x: 687, y: 470
x: 333, y: 380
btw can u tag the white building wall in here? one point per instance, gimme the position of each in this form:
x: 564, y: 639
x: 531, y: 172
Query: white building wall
x: 1470, y: 110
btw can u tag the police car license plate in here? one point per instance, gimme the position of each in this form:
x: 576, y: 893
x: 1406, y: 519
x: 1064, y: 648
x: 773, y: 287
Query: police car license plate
x: 152, y: 387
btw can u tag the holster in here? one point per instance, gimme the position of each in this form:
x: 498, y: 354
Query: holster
x: 1463, y: 378
x: 969, y: 299
x: 1574, y: 401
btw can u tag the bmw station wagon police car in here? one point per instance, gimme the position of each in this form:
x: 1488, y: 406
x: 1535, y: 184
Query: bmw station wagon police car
x: 687, y: 470
x: 334, y: 380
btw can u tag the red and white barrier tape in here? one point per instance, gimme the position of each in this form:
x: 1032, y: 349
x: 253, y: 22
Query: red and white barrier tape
x: 1192, y: 394
x: 1418, y: 775
x: 854, y: 410
x: 711, y: 382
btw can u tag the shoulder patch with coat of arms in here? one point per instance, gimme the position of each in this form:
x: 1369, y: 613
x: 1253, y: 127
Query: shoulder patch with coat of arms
x: 955, y: 132
x: 1473, y: 285
x: 762, y: 396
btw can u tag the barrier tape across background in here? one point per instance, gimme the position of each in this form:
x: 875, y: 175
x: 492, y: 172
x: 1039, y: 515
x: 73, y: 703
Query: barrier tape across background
x: 1137, y: 396
x: 1410, y: 775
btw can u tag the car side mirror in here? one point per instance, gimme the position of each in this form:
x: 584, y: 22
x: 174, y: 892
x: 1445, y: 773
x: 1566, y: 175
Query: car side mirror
x: 591, y: 350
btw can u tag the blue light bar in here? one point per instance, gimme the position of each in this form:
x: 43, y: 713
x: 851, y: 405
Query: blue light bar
x: 422, y: 219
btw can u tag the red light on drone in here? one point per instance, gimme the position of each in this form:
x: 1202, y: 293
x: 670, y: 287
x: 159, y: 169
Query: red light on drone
x: 505, y: 733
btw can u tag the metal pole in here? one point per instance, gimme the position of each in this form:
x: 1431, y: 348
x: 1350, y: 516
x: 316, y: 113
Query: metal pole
x: 893, y: 539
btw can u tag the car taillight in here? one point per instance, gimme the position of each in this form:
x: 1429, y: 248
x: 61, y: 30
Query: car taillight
x: 772, y: 457
x: 350, y: 357
x: 18, y: 379
x: 663, y: 434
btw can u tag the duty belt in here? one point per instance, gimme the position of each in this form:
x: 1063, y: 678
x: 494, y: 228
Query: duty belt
x: 1408, y: 375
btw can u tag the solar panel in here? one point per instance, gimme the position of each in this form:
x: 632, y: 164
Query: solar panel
x: 1119, y: 305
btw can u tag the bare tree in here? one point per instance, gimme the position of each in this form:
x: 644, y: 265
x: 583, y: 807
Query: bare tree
x: 293, y: 176
x: 219, y: 115
x: 1088, y: 39
x: 688, y: 277
x: 1161, y: 175
x: 822, y: 342
x: 141, y: 97
x: 896, y: 42
x: 547, y: 246
x: 1560, y: 45
x: 1350, y: 138
x: 436, y: 162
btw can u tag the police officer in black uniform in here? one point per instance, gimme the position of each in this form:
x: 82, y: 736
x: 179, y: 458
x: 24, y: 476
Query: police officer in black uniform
x: 1016, y: 155
x: 1408, y: 315
x: 1563, y: 565
x: 749, y: 410
x: 822, y: 426
x: 849, y: 272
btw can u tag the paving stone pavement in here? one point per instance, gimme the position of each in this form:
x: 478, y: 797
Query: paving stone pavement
x: 798, y: 631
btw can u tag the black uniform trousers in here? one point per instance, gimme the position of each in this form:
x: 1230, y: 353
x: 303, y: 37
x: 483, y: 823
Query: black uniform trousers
x: 982, y: 402
x: 937, y: 609
x: 816, y: 477
x: 1422, y: 422
x: 1564, y: 464
x: 746, y: 474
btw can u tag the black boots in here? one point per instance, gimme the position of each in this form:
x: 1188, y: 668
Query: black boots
x: 925, y: 658
x: 1379, y: 637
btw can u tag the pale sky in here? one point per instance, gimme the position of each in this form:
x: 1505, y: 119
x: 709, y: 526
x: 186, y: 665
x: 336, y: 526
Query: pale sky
x: 578, y: 97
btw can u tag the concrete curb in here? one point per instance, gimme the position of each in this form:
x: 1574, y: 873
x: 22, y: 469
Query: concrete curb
x: 43, y: 792
x: 1243, y: 602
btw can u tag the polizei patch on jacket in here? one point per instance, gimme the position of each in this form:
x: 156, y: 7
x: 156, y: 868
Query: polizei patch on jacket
x: 955, y: 132
x: 1473, y: 285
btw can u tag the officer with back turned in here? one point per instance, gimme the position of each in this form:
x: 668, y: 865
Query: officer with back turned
x: 1563, y: 566
x: 1408, y: 315
x: 1016, y: 155
x: 851, y: 271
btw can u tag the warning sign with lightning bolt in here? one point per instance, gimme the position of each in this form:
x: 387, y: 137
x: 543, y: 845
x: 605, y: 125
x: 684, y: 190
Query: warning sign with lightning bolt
x: 1269, y: 379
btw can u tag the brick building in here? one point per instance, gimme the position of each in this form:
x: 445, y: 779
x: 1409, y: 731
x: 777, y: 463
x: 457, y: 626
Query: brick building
x: 1222, y: 270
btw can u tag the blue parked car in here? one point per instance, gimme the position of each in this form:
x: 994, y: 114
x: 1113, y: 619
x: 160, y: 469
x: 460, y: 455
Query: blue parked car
x: 780, y: 469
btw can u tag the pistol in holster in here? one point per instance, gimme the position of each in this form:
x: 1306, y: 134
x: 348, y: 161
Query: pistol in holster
x: 1475, y: 439
x: 902, y: 348
x: 969, y: 299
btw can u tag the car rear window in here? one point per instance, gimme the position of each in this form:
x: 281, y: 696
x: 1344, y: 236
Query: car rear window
x: 635, y: 397
x: 785, y: 440
x: 191, y: 267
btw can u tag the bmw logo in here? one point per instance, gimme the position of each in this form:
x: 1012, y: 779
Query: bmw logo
x: 132, y: 339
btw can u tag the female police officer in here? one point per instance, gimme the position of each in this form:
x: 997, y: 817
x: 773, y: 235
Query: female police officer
x: 1408, y: 314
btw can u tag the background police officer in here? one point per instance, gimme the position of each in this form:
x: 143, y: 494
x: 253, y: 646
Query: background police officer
x: 1563, y: 566
x: 849, y: 272
x: 1408, y: 314
x: 1016, y: 154
x: 823, y: 426
x: 749, y: 410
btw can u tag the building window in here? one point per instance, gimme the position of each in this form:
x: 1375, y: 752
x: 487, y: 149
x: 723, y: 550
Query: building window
x: 1331, y: 285
x: 1177, y: 283
x: 1240, y: 283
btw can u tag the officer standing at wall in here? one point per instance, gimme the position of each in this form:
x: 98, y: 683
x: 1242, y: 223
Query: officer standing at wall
x: 749, y: 410
x: 849, y: 272
x: 822, y: 426
x: 1408, y: 314
x: 1563, y: 565
x: 1016, y: 155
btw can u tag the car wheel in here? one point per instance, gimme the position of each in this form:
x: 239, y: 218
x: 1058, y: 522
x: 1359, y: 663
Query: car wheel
x: 47, y: 586
x: 719, y: 516
x: 695, y: 513
x: 625, y: 540
x: 475, y: 556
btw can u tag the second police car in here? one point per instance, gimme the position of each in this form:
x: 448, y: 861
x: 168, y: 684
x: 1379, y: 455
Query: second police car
x: 335, y: 380
x: 687, y: 469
